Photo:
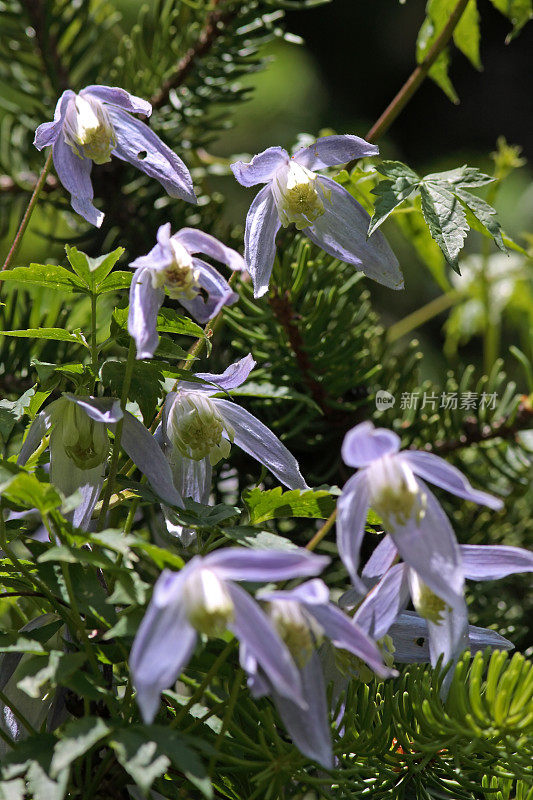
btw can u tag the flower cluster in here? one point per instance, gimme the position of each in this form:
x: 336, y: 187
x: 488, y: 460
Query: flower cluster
x: 286, y: 635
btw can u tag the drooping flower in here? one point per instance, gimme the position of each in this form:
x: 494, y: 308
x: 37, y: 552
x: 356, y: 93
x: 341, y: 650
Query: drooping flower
x: 79, y: 449
x: 447, y: 632
x: 203, y: 598
x: 172, y: 266
x: 94, y: 125
x: 198, y: 429
x: 390, y: 482
x: 321, y: 208
x: 303, y: 617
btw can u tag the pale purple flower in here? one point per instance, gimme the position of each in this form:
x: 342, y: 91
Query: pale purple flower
x: 303, y: 617
x: 197, y: 430
x: 448, y: 633
x: 203, y: 598
x: 94, y: 125
x: 172, y: 266
x: 322, y: 209
x: 390, y: 482
x: 79, y: 449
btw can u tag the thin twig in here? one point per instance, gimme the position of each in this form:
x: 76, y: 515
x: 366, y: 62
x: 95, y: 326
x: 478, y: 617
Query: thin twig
x: 29, y: 211
x: 473, y: 434
x: 216, y: 22
x: 416, y: 78
x: 319, y: 535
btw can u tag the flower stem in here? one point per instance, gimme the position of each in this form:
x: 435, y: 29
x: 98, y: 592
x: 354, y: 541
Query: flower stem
x: 422, y: 315
x: 195, y: 697
x: 319, y: 535
x: 29, y: 211
x: 113, y: 468
x: 235, y: 689
x: 416, y: 78
x: 94, y: 348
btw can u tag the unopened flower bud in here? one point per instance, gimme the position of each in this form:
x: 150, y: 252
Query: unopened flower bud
x: 299, y: 195
x: 180, y: 278
x: 299, y: 630
x: 395, y: 494
x: 88, y: 129
x: 85, y: 441
x: 208, y: 604
x: 196, y: 428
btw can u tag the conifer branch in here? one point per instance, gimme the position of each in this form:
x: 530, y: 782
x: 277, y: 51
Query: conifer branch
x: 47, y: 44
x: 215, y: 24
x: 284, y: 312
x: 474, y: 434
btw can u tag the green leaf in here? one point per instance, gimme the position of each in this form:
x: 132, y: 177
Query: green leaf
x: 48, y: 276
x: 77, y: 739
x: 57, y: 334
x: 391, y: 193
x: 26, y: 490
x: 169, y: 321
x: 471, y: 177
x: 275, y: 503
x: 445, y: 219
x: 147, y: 751
x: 519, y: 12
x: 12, y: 790
x: 53, y: 668
x: 11, y: 411
x: 268, y: 391
x: 257, y: 539
x: 485, y: 214
x: 466, y: 35
x: 140, y: 757
x: 146, y: 383
x: 115, y: 282
x: 93, y: 271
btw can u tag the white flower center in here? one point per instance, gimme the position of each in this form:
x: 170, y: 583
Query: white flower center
x: 394, y: 492
x: 89, y: 130
x: 180, y: 278
x: 427, y: 603
x: 300, y: 631
x: 85, y: 441
x: 298, y: 195
x: 196, y: 428
x: 208, y: 605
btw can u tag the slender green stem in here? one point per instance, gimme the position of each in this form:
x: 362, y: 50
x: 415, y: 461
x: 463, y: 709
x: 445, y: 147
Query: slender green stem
x: 94, y: 348
x: 29, y: 211
x: 423, y: 315
x: 319, y: 535
x: 235, y: 689
x: 197, y: 694
x: 113, y: 467
x: 416, y: 78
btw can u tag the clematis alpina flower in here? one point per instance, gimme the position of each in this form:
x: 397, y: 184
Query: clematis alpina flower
x: 79, y: 449
x: 198, y: 429
x: 448, y: 633
x: 325, y: 212
x: 302, y: 618
x: 390, y: 482
x: 94, y: 125
x: 203, y: 598
x: 172, y: 266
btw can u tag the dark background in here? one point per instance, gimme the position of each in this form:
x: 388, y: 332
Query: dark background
x: 365, y: 51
